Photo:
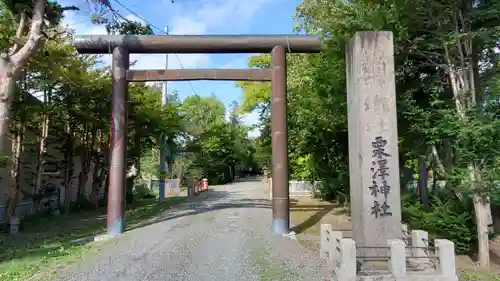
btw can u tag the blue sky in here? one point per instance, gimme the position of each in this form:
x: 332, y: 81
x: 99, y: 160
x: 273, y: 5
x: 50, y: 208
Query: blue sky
x: 198, y: 17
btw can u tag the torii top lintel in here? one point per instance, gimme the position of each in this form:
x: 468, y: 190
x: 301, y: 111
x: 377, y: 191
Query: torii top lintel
x: 196, y: 44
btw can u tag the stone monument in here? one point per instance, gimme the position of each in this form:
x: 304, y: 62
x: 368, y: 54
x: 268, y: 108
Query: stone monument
x: 373, y: 143
x: 375, y: 183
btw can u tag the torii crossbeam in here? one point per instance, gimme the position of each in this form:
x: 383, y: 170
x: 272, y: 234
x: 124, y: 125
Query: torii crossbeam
x: 121, y: 46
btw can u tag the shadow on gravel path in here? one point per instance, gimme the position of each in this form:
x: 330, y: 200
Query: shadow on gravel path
x: 214, y: 200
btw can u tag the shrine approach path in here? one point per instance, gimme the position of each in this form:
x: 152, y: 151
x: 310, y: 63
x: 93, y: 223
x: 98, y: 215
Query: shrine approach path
x: 223, y: 235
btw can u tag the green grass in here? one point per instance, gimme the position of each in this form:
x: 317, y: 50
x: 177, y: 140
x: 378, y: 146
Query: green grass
x: 309, y: 214
x: 47, y: 244
x: 477, y: 275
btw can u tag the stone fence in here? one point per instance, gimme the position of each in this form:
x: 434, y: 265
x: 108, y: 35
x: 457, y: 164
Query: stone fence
x: 298, y: 188
x: 409, y: 258
x: 25, y: 208
x: 172, y: 186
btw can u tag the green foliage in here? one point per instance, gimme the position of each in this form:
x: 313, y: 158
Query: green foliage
x: 128, y: 28
x: 255, y: 94
x: 451, y: 218
x: 53, y: 10
x: 141, y: 191
x: 457, y: 140
x: 76, y: 97
x: 213, y: 147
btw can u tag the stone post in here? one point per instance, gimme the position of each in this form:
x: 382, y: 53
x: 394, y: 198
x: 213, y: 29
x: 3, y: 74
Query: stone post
x: 373, y: 147
x: 397, y: 258
x: 446, y: 256
x: 326, y: 245
x: 347, y: 269
x: 329, y: 244
x: 420, y: 244
x: 270, y: 186
x: 335, y: 237
x: 405, y: 233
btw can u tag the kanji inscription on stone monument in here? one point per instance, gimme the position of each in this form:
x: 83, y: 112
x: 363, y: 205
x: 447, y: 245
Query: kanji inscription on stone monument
x: 380, y: 189
x: 373, y: 142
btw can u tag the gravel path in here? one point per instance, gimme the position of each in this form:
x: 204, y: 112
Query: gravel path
x: 224, y: 237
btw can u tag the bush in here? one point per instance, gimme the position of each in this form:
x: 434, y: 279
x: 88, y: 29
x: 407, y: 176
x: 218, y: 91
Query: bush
x: 450, y: 218
x: 495, y: 195
x: 335, y: 189
x: 141, y: 191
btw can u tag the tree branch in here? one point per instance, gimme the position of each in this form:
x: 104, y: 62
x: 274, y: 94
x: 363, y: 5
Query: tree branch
x: 440, y: 165
x: 35, y: 37
x: 19, y: 33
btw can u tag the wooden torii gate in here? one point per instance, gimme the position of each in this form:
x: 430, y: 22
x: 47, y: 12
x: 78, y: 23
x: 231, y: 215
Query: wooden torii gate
x: 122, y: 46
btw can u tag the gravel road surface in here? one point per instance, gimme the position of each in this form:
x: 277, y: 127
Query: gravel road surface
x: 225, y: 236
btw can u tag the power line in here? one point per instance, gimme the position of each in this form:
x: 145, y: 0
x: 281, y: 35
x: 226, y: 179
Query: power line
x: 60, y: 69
x: 57, y: 66
x: 159, y: 29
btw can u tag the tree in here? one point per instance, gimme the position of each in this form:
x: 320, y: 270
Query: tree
x: 446, y: 67
x: 74, y: 118
x: 213, y: 146
x: 34, y: 22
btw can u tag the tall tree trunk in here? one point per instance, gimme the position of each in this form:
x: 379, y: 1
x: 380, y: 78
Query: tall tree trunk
x: 94, y: 193
x: 135, y: 170
x: 103, y: 176
x: 434, y: 180
x: 423, y: 178
x: 481, y: 210
x: 106, y: 187
x: 68, y: 173
x: 15, y: 193
x: 86, y: 161
x: 461, y: 76
x: 96, y: 160
x: 11, y: 64
x: 41, y: 155
x: 7, y: 89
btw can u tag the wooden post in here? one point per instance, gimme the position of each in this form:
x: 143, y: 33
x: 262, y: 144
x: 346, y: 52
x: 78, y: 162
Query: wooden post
x: 117, y: 172
x: 123, y: 45
x: 281, y: 201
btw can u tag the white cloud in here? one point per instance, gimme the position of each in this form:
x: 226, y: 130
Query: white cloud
x: 144, y: 61
x: 199, y: 19
x: 249, y: 120
x: 189, y: 19
x: 80, y: 23
x: 187, y: 26
x: 254, y: 133
x: 212, y: 14
x: 238, y: 63
x: 157, y: 61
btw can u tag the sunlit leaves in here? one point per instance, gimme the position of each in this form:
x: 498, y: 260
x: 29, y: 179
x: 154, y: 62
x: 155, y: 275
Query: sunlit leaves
x: 128, y: 28
x: 215, y: 145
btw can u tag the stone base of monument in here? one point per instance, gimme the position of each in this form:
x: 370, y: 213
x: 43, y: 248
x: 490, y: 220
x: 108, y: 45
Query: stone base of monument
x: 404, y: 261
